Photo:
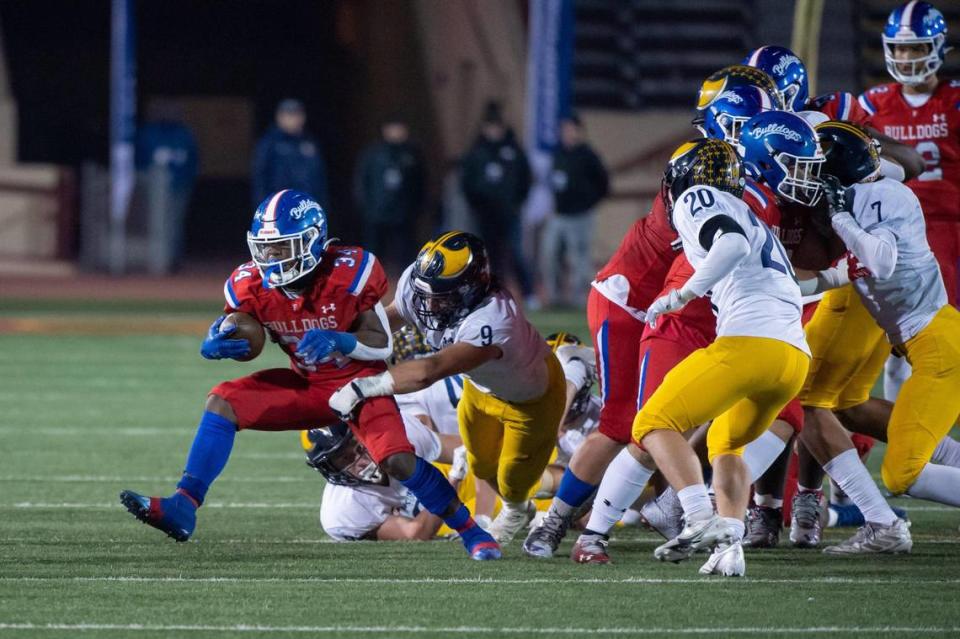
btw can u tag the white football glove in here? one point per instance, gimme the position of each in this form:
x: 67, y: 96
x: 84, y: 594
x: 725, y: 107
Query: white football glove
x: 346, y: 398
x: 674, y: 300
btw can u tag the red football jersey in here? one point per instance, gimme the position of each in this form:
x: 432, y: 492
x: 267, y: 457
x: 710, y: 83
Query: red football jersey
x: 934, y: 130
x: 644, y: 256
x: 840, y: 105
x: 696, y: 323
x: 349, y: 281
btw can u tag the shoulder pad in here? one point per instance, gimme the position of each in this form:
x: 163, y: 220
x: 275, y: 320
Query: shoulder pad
x: 240, y: 286
x: 351, y: 266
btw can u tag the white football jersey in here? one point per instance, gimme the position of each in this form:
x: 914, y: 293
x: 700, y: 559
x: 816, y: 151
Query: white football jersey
x: 520, y: 374
x: 348, y: 513
x: 906, y: 302
x: 438, y: 402
x: 760, y: 297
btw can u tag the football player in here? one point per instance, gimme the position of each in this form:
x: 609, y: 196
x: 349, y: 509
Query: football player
x: 919, y: 109
x: 321, y: 303
x: 360, y: 501
x: 848, y: 346
x: 881, y: 222
x: 679, y: 334
x: 746, y: 376
x: 626, y: 285
x: 514, y: 390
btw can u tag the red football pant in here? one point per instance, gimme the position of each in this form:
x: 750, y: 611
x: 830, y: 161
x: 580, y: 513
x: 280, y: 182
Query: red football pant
x: 280, y: 399
x: 944, y: 240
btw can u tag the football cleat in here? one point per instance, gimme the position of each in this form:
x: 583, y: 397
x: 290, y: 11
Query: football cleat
x: 175, y: 515
x: 591, y: 548
x: 874, y: 539
x: 763, y: 527
x: 726, y: 560
x: 510, y: 521
x: 806, y: 520
x: 663, y: 515
x: 705, y: 533
x: 544, y: 540
x: 480, y: 544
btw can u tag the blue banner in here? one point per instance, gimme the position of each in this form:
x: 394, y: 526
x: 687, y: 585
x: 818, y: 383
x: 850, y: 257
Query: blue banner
x: 123, y: 126
x: 549, y: 68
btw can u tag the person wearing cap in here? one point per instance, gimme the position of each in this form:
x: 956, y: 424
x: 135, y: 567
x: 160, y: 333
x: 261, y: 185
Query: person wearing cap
x: 389, y: 190
x: 287, y: 157
x: 579, y: 181
x: 495, y: 179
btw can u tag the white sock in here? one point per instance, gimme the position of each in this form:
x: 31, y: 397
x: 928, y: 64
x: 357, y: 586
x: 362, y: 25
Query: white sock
x: 837, y: 496
x: 853, y: 477
x: 737, y: 526
x: 947, y: 453
x: 937, y: 483
x: 895, y: 373
x: 621, y: 486
x: 767, y: 501
x: 695, y: 502
x: 515, y: 505
x: 761, y: 453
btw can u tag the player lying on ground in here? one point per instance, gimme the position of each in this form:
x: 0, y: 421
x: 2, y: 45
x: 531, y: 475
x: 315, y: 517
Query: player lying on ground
x: 514, y: 390
x: 321, y: 304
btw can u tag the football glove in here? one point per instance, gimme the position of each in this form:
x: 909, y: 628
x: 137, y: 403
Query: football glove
x: 673, y: 301
x: 317, y: 344
x: 839, y: 198
x: 219, y: 344
x: 346, y: 398
x: 855, y: 268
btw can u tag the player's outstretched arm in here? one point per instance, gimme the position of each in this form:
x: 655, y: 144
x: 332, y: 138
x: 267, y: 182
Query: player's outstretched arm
x: 875, y: 249
x: 910, y: 162
x: 368, y: 339
x: 413, y: 375
x: 423, y: 527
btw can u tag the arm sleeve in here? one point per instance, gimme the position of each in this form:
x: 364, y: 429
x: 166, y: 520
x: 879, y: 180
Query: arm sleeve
x: 876, y: 249
x: 725, y: 253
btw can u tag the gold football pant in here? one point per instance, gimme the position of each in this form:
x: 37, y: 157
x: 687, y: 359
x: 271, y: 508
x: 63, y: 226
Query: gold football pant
x: 742, y: 383
x: 510, y: 443
x: 929, y: 400
x: 849, y: 351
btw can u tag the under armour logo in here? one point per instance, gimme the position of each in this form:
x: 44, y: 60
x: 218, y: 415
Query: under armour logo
x: 939, y: 117
x: 328, y: 308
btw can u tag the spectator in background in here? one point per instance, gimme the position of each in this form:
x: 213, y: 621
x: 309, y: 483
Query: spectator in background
x: 495, y: 178
x: 287, y: 157
x: 579, y: 181
x: 389, y: 190
x: 165, y: 141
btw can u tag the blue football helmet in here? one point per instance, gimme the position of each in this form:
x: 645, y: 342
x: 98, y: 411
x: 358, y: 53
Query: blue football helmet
x: 729, y: 111
x: 287, y: 237
x: 787, y: 70
x: 911, y: 24
x: 784, y: 150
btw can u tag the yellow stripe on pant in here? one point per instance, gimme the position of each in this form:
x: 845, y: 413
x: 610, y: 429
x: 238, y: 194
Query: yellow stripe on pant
x: 929, y: 401
x: 849, y: 350
x: 741, y: 383
x: 510, y: 443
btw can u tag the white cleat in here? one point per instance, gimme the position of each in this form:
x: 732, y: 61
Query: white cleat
x: 705, y: 533
x: 875, y: 539
x: 510, y: 521
x: 663, y: 515
x: 727, y: 560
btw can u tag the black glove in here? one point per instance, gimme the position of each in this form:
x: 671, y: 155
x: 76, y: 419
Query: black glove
x: 839, y: 198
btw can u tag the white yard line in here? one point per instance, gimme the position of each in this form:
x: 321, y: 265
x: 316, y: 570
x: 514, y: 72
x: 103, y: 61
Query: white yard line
x: 116, y: 479
x: 493, y: 630
x: 26, y: 505
x: 475, y: 581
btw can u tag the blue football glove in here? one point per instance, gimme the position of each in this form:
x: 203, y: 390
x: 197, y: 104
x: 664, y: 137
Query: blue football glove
x: 219, y: 345
x: 317, y: 344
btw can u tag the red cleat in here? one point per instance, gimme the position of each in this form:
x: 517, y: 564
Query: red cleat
x: 591, y: 548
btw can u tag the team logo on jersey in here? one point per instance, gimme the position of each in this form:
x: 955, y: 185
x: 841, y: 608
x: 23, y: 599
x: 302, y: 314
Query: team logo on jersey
x: 780, y: 67
x: 939, y: 117
x: 778, y: 129
x: 328, y: 308
x: 303, y: 208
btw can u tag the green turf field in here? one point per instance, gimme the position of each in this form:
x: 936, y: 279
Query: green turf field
x: 86, y: 416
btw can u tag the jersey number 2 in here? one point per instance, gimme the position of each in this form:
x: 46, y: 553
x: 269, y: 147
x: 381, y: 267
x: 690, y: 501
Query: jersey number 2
x: 931, y: 158
x: 767, y: 260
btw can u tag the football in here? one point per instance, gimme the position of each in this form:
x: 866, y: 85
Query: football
x: 248, y: 329
x: 814, y: 247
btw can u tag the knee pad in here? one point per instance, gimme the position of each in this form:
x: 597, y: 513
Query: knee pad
x: 899, y: 477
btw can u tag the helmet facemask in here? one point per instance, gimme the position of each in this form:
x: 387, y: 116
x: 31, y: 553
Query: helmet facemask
x: 438, y: 311
x: 801, y: 176
x: 284, y: 259
x: 913, y: 71
x: 350, y: 464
